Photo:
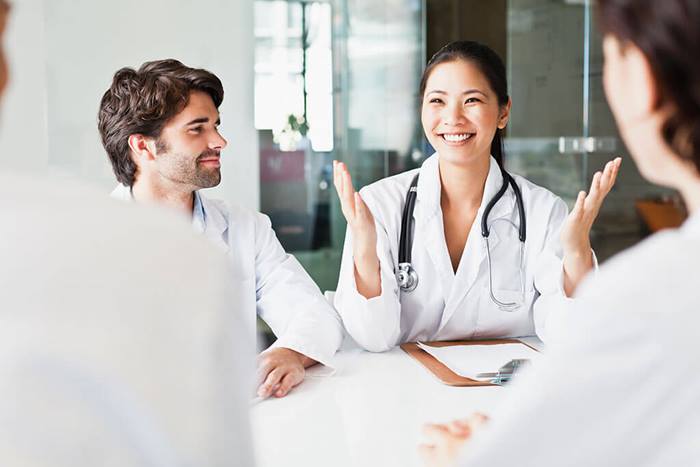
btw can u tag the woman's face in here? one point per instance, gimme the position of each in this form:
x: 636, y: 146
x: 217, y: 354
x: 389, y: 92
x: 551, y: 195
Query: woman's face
x: 460, y: 112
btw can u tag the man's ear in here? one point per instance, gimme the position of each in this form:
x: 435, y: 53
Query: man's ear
x: 142, y: 148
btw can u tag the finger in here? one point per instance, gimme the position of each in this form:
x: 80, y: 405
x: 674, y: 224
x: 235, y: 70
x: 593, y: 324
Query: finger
x: 606, y: 178
x: 271, y: 382
x: 459, y: 428
x: 346, y: 206
x: 595, y: 182
x: 265, y: 365
x: 337, y: 182
x: 595, y: 188
x: 478, y: 419
x: 361, y: 209
x: 291, y: 379
x: 436, y: 433
x: 578, y: 205
x: 348, y: 190
x: 335, y: 173
x: 616, y: 169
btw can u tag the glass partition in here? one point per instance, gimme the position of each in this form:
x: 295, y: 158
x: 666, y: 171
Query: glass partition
x: 335, y: 79
x: 561, y: 130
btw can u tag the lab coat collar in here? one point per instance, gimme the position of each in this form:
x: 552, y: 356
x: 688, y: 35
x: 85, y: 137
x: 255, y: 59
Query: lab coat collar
x: 474, y: 254
x: 215, y: 224
x: 429, y: 190
x: 428, y: 217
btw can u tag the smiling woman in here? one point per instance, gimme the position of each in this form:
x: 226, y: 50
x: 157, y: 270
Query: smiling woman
x: 463, y: 261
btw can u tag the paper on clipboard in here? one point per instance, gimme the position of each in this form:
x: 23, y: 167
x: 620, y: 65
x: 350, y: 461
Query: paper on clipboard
x: 470, y: 360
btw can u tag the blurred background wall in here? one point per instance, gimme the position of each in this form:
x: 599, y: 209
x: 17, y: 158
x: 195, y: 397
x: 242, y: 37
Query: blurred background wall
x: 63, y: 54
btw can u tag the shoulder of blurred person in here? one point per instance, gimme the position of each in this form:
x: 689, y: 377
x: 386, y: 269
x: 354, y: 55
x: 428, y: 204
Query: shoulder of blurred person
x: 112, y: 352
x: 621, y: 383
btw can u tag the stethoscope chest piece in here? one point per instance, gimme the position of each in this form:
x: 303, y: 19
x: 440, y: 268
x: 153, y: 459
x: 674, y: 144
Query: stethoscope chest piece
x: 407, y: 277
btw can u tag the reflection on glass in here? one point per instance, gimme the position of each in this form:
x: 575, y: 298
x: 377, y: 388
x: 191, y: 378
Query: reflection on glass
x: 359, y: 62
x: 555, y: 73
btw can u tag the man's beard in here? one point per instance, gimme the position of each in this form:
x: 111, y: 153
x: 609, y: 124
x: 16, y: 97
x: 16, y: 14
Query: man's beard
x: 206, y: 177
x: 181, y: 168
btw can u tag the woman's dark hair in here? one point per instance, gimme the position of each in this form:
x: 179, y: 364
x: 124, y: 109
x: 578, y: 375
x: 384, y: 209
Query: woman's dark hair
x: 668, y: 34
x: 143, y: 102
x: 490, y: 65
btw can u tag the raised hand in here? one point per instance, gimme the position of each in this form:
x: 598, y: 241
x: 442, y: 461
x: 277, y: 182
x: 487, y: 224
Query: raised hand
x: 364, y: 232
x: 356, y: 212
x: 575, y: 233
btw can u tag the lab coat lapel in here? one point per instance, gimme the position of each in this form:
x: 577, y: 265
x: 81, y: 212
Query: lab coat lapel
x: 215, y: 224
x: 473, y: 261
x: 429, y: 220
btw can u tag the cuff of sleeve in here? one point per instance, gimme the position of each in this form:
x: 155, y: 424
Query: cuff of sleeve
x: 323, y: 357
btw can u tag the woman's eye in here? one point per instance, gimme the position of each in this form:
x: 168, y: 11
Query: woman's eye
x: 435, y: 100
x: 196, y: 130
x: 471, y: 100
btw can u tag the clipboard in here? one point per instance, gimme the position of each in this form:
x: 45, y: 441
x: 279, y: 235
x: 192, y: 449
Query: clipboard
x: 444, y: 374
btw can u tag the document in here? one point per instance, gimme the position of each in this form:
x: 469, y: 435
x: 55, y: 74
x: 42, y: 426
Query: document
x: 470, y: 360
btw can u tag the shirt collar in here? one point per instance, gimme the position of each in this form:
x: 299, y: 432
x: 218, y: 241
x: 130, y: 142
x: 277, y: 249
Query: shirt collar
x: 198, y: 214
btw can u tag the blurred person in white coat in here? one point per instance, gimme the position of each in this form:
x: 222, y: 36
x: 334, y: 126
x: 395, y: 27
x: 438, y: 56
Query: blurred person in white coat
x: 460, y: 248
x: 159, y: 126
x: 620, y: 385
x: 105, y: 357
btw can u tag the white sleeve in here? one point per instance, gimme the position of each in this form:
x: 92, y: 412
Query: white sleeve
x: 290, y: 302
x: 552, y: 303
x: 374, y: 323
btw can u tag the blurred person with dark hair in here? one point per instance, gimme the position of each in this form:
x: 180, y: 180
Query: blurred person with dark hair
x: 105, y: 359
x: 159, y: 126
x: 621, y: 384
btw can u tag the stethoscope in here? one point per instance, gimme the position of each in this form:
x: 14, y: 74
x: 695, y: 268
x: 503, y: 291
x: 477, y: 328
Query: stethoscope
x: 407, y: 277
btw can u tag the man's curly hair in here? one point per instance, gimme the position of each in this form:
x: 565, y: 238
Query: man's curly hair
x: 142, y: 101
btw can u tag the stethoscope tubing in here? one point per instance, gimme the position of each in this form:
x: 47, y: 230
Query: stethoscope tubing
x: 407, y: 276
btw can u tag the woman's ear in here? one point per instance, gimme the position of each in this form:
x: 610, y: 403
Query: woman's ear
x: 504, y: 115
x: 642, y: 79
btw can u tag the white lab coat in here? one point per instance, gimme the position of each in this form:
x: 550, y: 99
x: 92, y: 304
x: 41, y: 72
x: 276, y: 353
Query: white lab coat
x: 112, y: 351
x: 620, y: 384
x: 446, y: 305
x: 270, y: 280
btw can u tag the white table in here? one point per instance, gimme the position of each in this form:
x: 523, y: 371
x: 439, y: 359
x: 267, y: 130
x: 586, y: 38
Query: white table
x: 370, y: 413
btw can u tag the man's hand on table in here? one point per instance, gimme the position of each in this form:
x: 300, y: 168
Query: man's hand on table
x: 279, y: 370
x: 446, y: 440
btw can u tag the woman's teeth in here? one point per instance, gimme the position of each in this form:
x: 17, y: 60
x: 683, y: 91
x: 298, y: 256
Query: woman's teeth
x: 456, y: 138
